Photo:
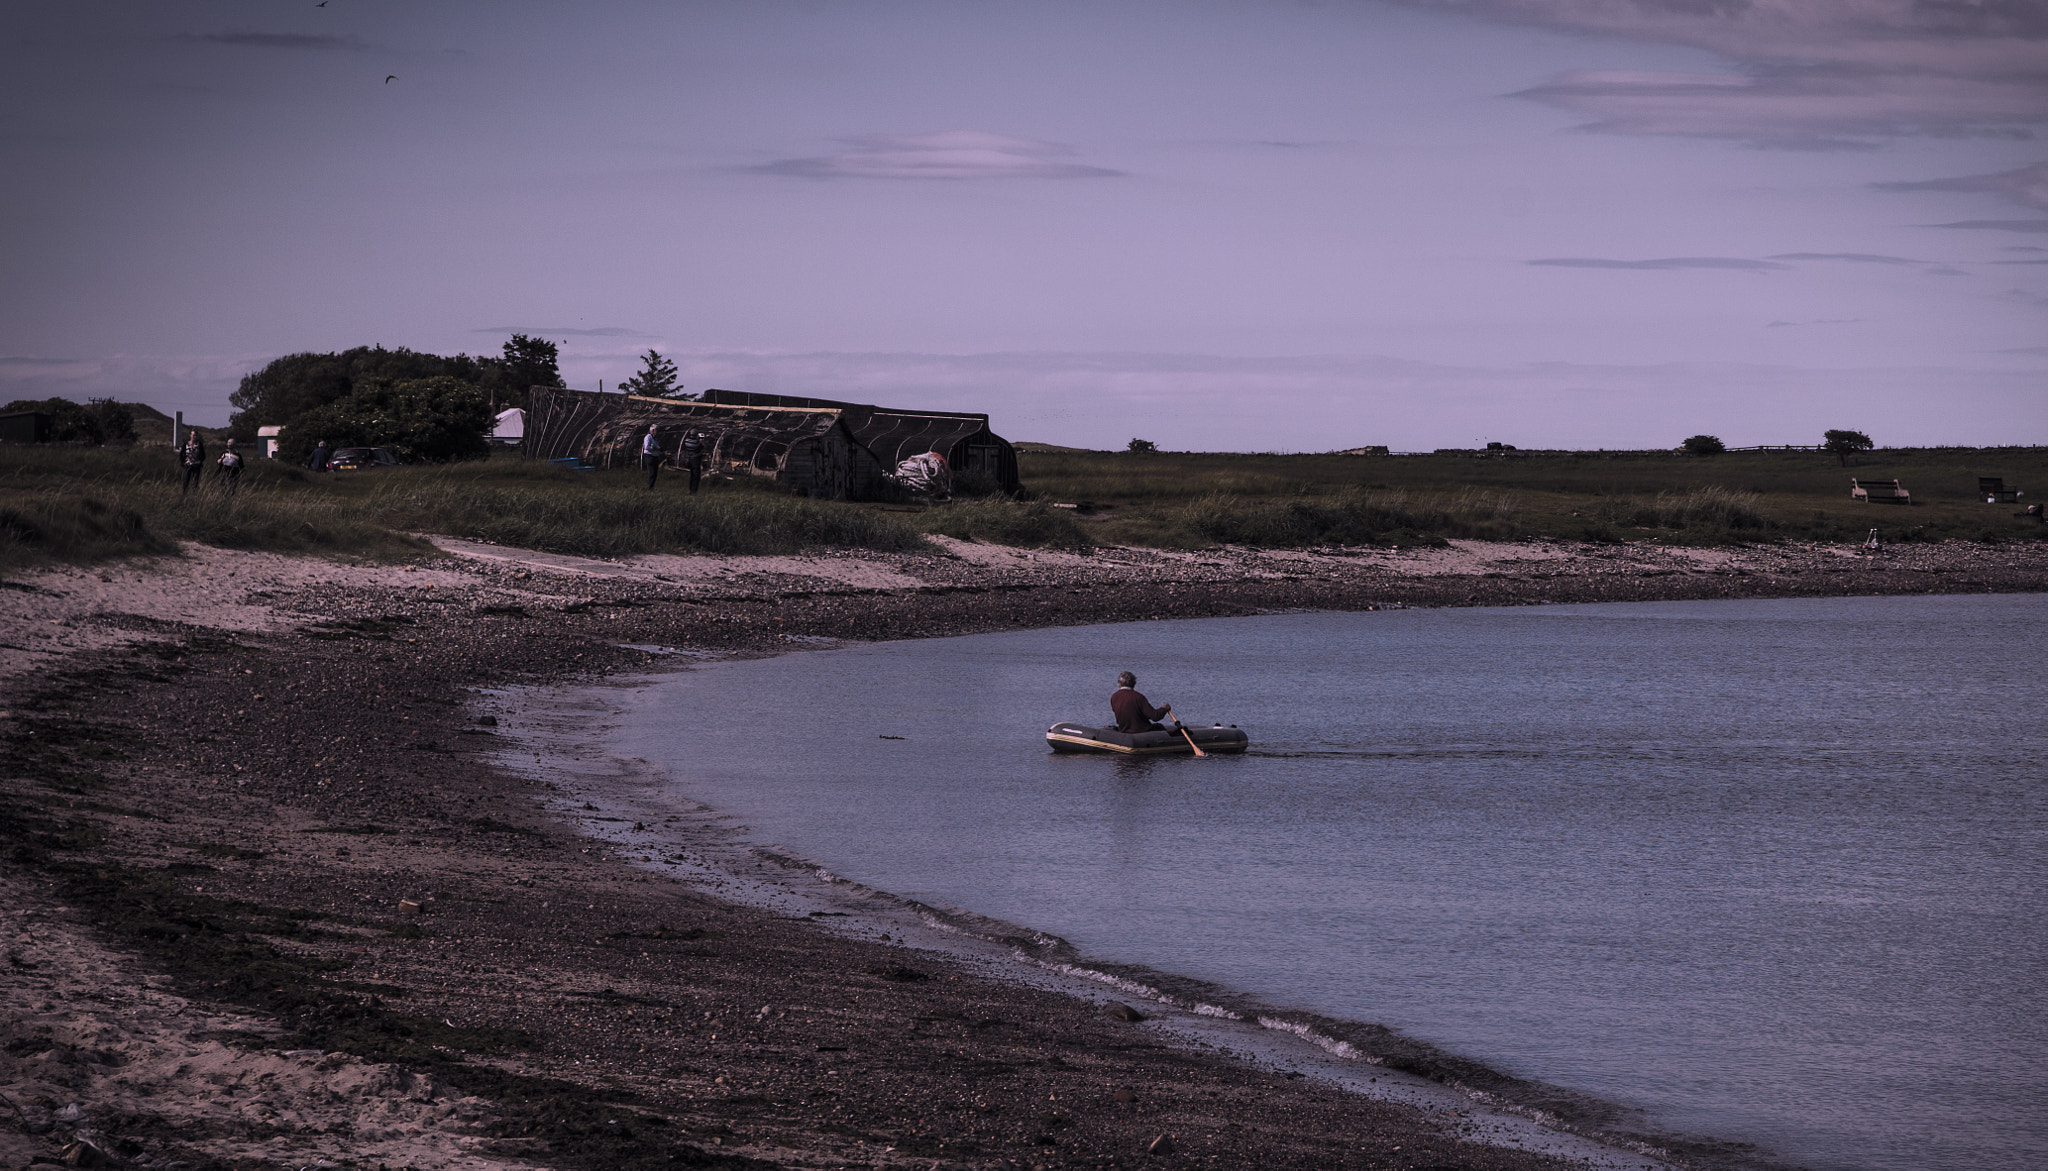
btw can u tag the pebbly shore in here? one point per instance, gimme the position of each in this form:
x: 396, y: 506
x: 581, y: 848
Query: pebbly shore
x: 274, y: 898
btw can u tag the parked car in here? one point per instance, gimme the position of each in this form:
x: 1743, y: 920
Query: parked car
x: 350, y: 459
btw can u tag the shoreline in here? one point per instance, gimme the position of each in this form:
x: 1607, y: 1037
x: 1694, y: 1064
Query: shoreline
x: 282, y: 756
x: 568, y: 743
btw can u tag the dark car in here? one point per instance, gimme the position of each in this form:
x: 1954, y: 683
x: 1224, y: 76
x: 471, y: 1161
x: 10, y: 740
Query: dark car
x: 350, y: 459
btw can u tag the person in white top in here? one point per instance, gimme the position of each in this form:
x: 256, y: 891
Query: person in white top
x: 650, y: 455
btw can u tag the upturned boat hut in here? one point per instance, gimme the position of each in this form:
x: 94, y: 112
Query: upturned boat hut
x: 825, y: 448
x: 894, y: 434
x: 808, y: 448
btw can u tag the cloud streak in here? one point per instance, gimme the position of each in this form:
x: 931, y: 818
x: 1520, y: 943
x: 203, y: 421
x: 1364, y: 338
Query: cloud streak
x: 1736, y: 263
x: 1995, y: 225
x: 601, y: 331
x: 1850, y: 257
x: 951, y: 155
x: 2026, y: 186
x: 301, y: 41
x: 1806, y: 74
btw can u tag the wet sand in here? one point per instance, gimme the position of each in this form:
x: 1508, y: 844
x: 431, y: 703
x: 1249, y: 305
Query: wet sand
x: 274, y: 894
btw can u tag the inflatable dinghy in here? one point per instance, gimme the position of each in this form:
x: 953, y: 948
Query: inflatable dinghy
x: 1065, y: 737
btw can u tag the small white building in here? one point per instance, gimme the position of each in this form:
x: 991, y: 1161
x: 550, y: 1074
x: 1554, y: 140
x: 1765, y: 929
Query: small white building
x: 267, y: 436
x: 510, y: 429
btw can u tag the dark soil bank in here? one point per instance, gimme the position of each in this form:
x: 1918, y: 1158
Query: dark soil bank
x: 268, y: 902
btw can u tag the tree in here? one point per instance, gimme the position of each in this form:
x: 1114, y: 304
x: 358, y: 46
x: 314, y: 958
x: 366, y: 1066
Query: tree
x: 297, y: 383
x: 1142, y: 447
x: 527, y: 362
x: 657, y: 377
x: 1704, y: 445
x: 438, y: 418
x: 1846, y: 443
x: 117, y: 422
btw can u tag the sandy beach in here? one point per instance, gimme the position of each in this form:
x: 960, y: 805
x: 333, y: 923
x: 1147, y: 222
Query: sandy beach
x: 284, y: 888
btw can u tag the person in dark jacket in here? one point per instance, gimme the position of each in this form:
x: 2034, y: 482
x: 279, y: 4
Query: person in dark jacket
x: 318, y: 462
x: 692, y: 458
x: 193, y: 457
x: 1135, y: 713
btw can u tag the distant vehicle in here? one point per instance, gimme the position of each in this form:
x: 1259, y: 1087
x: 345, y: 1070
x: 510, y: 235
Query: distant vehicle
x: 351, y: 459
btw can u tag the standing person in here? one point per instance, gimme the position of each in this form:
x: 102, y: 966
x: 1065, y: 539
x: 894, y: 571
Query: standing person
x: 318, y: 462
x: 650, y: 454
x: 693, y: 458
x: 193, y: 457
x: 1134, y: 713
x: 231, y: 467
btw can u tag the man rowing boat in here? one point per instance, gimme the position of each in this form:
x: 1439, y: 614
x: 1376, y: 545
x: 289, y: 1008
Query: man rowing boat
x: 1134, y: 713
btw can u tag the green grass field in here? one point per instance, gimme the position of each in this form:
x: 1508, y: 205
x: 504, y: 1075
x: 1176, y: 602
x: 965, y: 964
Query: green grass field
x: 1190, y: 500
x: 84, y: 504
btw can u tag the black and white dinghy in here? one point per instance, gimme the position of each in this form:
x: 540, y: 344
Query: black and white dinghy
x: 1065, y: 737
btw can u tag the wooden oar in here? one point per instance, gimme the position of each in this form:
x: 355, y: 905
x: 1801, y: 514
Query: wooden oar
x: 1183, y: 730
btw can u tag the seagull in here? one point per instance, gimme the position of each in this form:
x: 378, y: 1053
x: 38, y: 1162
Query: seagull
x: 388, y: 79
x: 322, y: 4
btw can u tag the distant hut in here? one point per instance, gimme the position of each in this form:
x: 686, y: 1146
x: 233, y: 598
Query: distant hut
x: 894, y: 434
x: 27, y: 426
x: 809, y: 449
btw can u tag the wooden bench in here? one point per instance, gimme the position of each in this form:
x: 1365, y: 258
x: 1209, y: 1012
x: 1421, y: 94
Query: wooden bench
x: 1992, y: 490
x: 1888, y: 491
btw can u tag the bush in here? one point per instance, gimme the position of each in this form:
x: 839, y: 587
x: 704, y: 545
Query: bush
x: 1347, y: 518
x: 1003, y: 522
x: 99, y: 421
x: 439, y: 418
x: 1704, y: 445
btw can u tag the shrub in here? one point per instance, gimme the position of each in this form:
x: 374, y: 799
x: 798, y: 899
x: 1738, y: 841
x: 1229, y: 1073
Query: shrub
x: 1704, y: 445
x: 1003, y: 522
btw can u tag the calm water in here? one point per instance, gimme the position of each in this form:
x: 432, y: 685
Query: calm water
x: 1771, y: 870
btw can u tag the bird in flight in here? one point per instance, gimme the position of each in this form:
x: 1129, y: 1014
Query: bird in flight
x: 322, y: 4
x: 390, y: 78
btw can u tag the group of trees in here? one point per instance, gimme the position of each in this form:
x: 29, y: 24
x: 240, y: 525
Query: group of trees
x: 421, y: 406
x: 1841, y: 444
x: 99, y: 421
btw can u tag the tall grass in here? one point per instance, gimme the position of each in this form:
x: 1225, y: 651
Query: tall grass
x: 1708, y: 507
x: 1033, y: 524
x: 605, y: 518
x: 70, y: 504
x: 1354, y: 517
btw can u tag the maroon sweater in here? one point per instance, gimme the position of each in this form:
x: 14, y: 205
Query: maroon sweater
x: 1134, y: 713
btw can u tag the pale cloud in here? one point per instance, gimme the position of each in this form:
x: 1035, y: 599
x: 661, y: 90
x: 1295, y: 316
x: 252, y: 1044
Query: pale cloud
x: 1667, y: 262
x: 2026, y: 186
x: 948, y: 154
x: 197, y: 384
x: 1321, y: 402
x: 1812, y: 74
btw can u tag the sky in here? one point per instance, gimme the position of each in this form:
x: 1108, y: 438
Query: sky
x: 1250, y: 225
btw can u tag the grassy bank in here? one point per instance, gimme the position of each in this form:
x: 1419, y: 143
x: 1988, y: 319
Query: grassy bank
x: 71, y: 504
x: 74, y: 504
x: 1180, y: 499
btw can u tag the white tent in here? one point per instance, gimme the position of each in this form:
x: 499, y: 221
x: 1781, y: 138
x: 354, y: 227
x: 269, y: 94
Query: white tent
x: 510, y: 427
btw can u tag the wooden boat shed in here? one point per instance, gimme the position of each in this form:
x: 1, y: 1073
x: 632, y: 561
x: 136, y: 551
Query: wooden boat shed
x: 894, y: 434
x: 809, y: 449
x: 823, y: 448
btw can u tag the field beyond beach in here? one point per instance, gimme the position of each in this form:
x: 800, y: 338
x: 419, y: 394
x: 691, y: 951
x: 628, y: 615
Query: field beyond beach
x: 272, y: 898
